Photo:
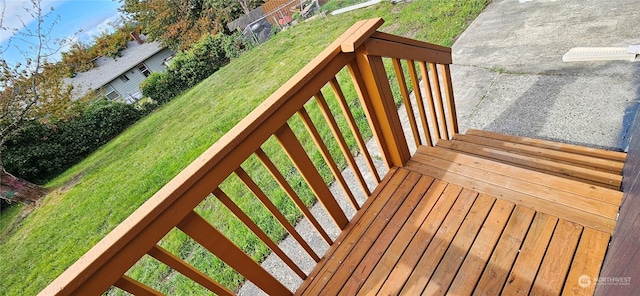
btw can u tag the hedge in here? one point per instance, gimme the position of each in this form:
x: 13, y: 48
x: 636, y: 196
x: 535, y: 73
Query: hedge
x: 190, y: 67
x: 44, y: 150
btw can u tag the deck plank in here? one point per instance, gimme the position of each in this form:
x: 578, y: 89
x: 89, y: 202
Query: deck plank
x: 553, y: 195
x: 448, y: 267
x: 585, y: 161
x: 360, y: 261
x: 593, y: 192
x: 556, y: 262
x: 377, y: 217
x: 432, y: 255
x: 556, y: 209
x: 587, y: 263
x: 422, y: 215
x: 421, y: 241
x: 393, y: 178
x: 600, y: 153
x: 499, y: 265
x: 533, y: 249
x: 599, y: 178
x: 390, y: 233
x: 475, y: 262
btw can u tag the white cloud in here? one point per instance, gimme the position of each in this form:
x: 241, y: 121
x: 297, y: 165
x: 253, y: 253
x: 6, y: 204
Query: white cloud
x: 14, y: 14
x: 92, y: 30
x: 78, y: 20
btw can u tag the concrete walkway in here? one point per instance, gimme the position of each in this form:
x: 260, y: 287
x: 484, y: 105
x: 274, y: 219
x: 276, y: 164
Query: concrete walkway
x: 508, y: 77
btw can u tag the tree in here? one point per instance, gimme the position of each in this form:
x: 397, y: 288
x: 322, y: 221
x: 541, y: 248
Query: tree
x: 245, y: 6
x: 248, y: 5
x: 176, y: 23
x: 79, y: 57
x: 30, y: 91
x: 180, y: 23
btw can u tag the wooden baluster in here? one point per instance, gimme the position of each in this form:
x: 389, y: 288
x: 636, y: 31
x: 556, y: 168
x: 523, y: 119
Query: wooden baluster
x: 380, y: 103
x: 335, y: 130
x: 451, y: 105
x: 187, y: 270
x: 417, y: 91
x: 430, y: 100
x: 219, y: 245
x: 315, y: 135
x: 264, y: 199
x: 305, y: 166
x: 292, y: 194
x: 436, y: 86
x: 367, y: 107
x: 354, y: 127
x: 404, y: 92
x: 134, y: 287
x: 246, y: 220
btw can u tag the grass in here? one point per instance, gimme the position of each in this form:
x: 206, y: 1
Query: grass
x: 119, y: 177
x: 10, y: 219
x: 337, y: 4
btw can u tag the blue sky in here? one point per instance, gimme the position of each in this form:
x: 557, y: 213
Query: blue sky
x: 88, y: 17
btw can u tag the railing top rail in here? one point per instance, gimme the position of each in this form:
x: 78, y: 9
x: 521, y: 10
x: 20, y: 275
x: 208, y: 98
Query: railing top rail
x: 354, y: 42
x: 392, y: 46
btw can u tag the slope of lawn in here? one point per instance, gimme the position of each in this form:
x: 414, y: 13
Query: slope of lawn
x: 97, y: 194
x: 9, y: 218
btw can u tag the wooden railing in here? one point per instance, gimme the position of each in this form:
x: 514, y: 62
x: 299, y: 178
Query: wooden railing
x: 365, y: 53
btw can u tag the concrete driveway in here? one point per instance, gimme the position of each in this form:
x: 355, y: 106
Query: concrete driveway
x: 509, y: 76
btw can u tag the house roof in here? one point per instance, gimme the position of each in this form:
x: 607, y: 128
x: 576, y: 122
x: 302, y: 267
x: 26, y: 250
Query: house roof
x: 108, y: 69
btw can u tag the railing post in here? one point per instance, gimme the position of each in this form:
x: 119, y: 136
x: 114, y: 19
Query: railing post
x: 453, y: 116
x: 377, y: 100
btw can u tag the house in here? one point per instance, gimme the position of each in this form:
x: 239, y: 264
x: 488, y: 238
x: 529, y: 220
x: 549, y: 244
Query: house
x: 119, y: 79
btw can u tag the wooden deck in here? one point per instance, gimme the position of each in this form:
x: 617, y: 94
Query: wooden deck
x: 483, y: 217
x: 479, y: 213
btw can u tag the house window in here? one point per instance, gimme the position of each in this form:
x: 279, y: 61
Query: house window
x: 145, y: 71
x: 124, y: 78
x: 167, y: 61
x: 112, y: 95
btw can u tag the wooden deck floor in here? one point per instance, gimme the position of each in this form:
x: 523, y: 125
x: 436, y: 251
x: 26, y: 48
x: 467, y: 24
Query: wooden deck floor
x: 480, y: 214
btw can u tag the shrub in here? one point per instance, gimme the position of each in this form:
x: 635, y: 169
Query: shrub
x: 190, y: 67
x: 42, y: 151
x: 146, y: 107
x: 202, y: 60
x: 161, y: 87
x: 186, y: 70
x: 235, y: 44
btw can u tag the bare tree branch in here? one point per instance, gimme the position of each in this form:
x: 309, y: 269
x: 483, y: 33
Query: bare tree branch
x: 29, y: 90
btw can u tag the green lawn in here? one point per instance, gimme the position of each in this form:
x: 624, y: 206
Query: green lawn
x: 9, y: 218
x: 337, y: 4
x: 120, y: 176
